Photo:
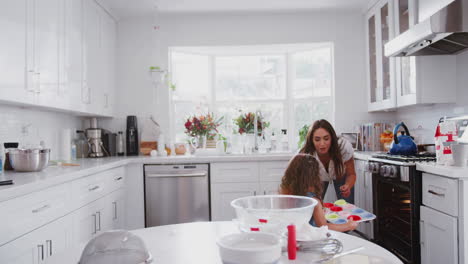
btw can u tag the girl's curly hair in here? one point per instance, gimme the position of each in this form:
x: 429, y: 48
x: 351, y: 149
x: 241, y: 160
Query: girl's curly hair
x: 302, y: 175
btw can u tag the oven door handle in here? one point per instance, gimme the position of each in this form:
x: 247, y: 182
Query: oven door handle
x: 436, y: 193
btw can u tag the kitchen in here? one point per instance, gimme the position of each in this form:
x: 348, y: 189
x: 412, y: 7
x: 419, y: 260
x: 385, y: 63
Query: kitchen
x: 142, y: 36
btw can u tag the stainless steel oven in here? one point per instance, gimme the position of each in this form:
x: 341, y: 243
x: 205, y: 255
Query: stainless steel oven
x: 397, y: 198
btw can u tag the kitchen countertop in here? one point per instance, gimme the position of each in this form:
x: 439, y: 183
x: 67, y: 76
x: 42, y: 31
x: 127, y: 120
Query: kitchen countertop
x: 447, y: 171
x: 364, y: 155
x: 196, y: 243
x: 27, y: 182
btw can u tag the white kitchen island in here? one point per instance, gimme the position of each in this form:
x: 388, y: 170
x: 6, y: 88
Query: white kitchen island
x: 195, y: 243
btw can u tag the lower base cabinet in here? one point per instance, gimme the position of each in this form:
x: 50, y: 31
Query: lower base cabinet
x: 233, y: 180
x: 439, y: 237
x: 104, y: 214
x: 39, y: 245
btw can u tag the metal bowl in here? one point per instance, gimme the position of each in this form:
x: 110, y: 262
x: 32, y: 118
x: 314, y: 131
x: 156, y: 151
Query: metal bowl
x: 29, y: 160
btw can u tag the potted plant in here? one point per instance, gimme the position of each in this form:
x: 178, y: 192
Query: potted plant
x: 245, y: 122
x: 203, y: 127
x: 302, y: 136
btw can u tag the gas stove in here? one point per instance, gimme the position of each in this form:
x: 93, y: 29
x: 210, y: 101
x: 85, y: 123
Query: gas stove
x: 403, y: 160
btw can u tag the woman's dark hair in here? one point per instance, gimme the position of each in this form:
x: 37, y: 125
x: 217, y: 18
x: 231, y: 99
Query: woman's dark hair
x: 301, y: 174
x: 334, y: 151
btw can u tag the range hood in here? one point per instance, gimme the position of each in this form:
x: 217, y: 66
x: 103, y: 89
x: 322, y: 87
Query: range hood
x: 444, y: 32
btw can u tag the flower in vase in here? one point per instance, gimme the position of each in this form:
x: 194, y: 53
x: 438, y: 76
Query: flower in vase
x: 245, y: 122
x: 202, y: 125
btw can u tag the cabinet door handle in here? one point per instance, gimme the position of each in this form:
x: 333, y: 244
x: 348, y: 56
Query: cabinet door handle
x: 49, y: 247
x: 255, y: 193
x: 436, y: 193
x: 115, y: 210
x: 98, y: 214
x: 264, y: 192
x: 119, y: 178
x: 95, y: 223
x: 40, y: 209
x: 93, y: 188
x: 40, y: 252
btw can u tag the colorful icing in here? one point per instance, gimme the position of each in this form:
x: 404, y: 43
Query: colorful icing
x: 354, y: 217
x: 358, y: 211
x: 336, y: 209
x: 328, y: 205
x: 340, y: 202
x: 340, y: 221
x: 331, y: 216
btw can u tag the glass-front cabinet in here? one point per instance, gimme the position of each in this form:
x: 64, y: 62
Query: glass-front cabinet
x: 402, y: 81
x: 381, y: 70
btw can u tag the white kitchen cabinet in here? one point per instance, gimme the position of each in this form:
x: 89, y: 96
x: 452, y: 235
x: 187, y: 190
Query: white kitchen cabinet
x: 423, y: 79
x: 380, y: 69
x: 363, y: 195
x: 223, y: 193
x: 108, y: 50
x: 403, y: 81
x: 70, y: 87
x: 439, y: 237
x: 232, y: 180
x: 43, y: 54
x: 12, y: 52
x: 39, y: 245
x: 116, y: 207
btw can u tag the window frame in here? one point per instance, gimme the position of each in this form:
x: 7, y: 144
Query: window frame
x: 289, y: 100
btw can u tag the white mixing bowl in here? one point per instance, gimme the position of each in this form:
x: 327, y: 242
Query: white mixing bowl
x: 273, y: 213
x: 250, y: 248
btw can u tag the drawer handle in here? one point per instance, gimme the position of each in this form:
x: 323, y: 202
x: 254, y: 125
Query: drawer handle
x: 119, y: 178
x: 95, y: 224
x: 98, y: 214
x: 41, y: 209
x: 49, y: 246
x: 94, y: 188
x: 436, y: 193
x: 40, y: 249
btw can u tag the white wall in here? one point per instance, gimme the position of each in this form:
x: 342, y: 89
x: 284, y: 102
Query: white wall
x: 140, y: 47
x: 428, y: 116
x: 30, y: 126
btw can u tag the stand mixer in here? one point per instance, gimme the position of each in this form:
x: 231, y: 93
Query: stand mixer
x: 94, y: 136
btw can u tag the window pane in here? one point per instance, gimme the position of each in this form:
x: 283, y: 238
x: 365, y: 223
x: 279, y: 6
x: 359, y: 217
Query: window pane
x: 250, y: 77
x: 191, y: 75
x: 312, y: 75
x: 271, y: 112
x: 307, y: 111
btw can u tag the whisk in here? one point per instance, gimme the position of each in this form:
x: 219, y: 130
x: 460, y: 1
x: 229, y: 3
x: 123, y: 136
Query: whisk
x: 329, y: 246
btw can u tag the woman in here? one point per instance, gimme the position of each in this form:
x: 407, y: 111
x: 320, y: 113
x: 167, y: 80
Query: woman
x: 335, y: 158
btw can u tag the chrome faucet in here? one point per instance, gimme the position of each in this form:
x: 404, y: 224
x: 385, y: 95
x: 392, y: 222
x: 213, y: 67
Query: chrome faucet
x: 257, y: 114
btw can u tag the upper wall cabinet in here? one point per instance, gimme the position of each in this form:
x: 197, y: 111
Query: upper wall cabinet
x: 396, y: 82
x: 381, y: 70
x: 58, y: 54
x: 12, y: 52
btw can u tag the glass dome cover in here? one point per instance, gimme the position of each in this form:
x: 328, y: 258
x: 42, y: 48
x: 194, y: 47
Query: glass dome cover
x: 117, y: 246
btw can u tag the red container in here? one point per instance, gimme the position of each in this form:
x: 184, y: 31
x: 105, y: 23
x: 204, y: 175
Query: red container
x: 336, y: 208
x: 354, y: 217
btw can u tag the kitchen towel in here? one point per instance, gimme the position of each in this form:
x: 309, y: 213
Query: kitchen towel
x: 65, y: 144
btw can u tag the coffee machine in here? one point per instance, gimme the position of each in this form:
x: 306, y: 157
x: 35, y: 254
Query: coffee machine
x: 132, y: 136
x: 94, y: 136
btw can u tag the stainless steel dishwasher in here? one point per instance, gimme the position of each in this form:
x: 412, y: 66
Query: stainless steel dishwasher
x: 176, y: 194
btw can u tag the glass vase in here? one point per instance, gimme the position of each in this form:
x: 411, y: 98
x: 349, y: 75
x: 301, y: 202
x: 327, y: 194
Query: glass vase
x: 202, y: 141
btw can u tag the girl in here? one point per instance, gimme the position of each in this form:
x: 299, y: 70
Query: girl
x: 302, y: 178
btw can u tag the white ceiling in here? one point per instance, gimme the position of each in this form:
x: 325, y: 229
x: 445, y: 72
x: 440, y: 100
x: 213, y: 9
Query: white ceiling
x: 129, y: 8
